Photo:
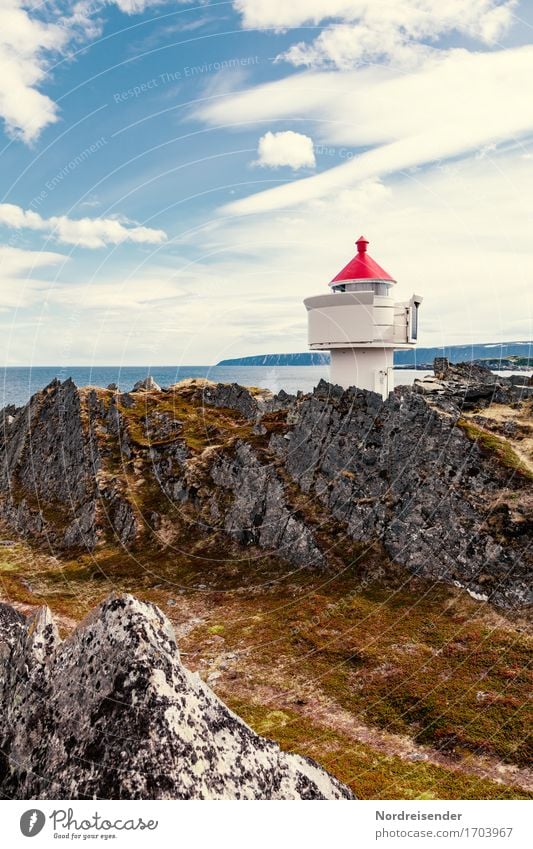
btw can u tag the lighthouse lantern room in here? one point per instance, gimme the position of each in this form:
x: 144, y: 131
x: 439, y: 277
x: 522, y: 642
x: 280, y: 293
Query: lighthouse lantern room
x: 361, y: 325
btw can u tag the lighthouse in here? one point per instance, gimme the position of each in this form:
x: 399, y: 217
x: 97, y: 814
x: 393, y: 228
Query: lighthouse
x: 361, y: 325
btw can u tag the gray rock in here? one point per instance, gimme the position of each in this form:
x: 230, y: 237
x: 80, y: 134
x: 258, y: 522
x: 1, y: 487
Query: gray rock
x: 111, y: 713
x: 521, y: 380
x: 259, y: 514
x: 147, y: 385
x: 233, y: 397
x: 402, y: 472
x: 48, y: 466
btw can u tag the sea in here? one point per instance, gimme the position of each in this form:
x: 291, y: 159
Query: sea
x: 18, y: 384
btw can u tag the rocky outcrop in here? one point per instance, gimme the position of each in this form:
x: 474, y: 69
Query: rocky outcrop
x: 258, y: 513
x: 111, y: 713
x: 234, y: 397
x: 463, y: 372
x: 84, y: 467
x: 52, y: 486
x: 48, y: 470
x: 250, y: 403
x: 471, y: 385
x: 405, y: 473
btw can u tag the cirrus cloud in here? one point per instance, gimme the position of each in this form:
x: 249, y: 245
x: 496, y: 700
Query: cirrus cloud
x: 393, y: 120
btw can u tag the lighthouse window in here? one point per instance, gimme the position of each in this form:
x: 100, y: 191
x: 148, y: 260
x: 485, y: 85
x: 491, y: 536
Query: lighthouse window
x: 414, y: 320
x: 375, y: 286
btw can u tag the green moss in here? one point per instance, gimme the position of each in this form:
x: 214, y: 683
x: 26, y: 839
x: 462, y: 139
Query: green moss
x: 201, y: 426
x: 496, y: 446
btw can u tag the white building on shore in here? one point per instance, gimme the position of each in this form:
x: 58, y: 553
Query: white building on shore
x: 361, y: 325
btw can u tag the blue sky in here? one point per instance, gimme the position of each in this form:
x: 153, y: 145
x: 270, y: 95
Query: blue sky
x: 176, y: 178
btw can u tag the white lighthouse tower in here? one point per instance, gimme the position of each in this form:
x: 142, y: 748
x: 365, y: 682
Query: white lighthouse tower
x: 361, y: 325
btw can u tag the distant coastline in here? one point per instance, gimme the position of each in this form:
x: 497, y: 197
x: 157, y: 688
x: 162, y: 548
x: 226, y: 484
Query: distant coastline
x: 494, y: 355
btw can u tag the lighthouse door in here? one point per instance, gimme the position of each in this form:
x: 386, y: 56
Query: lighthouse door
x: 384, y: 382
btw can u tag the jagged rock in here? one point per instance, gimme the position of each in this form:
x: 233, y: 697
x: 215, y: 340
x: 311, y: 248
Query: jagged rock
x: 111, y: 713
x: 249, y: 402
x: 463, y: 372
x: 471, y: 385
x: 46, y: 460
x: 146, y: 385
x: 404, y: 473
x: 428, y: 385
x: 258, y: 513
x: 7, y: 416
x: 80, y: 467
x: 521, y: 380
x: 50, y: 463
x: 126, y: 400
x: 234, y: 397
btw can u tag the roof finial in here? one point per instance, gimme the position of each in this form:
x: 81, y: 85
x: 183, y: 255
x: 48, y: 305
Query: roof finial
x: 361, y: 244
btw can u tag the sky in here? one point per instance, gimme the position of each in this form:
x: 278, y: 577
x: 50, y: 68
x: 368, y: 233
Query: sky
x: 175, y: 178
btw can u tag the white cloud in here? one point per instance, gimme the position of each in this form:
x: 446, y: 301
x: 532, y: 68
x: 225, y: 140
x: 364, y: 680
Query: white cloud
x: 366, y: 30
x: 32, y: 36
x: 24, y: 42
x: 143, y: 290
x: 459, y: 234
x: 15, y: 261
x: 135, y: 7
x: 86, y: 232
x: 392, y: 120
x: 285, y: 148
x: 18, y: 285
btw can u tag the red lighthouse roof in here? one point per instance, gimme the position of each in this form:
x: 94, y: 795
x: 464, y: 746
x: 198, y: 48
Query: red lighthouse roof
x: 362, y: 267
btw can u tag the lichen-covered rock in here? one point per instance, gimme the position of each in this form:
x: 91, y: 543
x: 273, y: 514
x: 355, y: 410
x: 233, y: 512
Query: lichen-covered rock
x: 11, y: 622
x: 111, y: 713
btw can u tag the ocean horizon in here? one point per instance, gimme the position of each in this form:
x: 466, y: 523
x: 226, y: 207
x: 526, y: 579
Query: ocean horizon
x: 19, y: 383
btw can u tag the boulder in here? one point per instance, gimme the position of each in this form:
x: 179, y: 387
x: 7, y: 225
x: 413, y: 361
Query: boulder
x: 111, y: 713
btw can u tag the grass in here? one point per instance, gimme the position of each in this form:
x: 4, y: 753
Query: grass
x: 369, y: 773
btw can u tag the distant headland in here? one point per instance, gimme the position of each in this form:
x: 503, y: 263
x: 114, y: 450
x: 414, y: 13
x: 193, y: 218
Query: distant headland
x: 495, y: 355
